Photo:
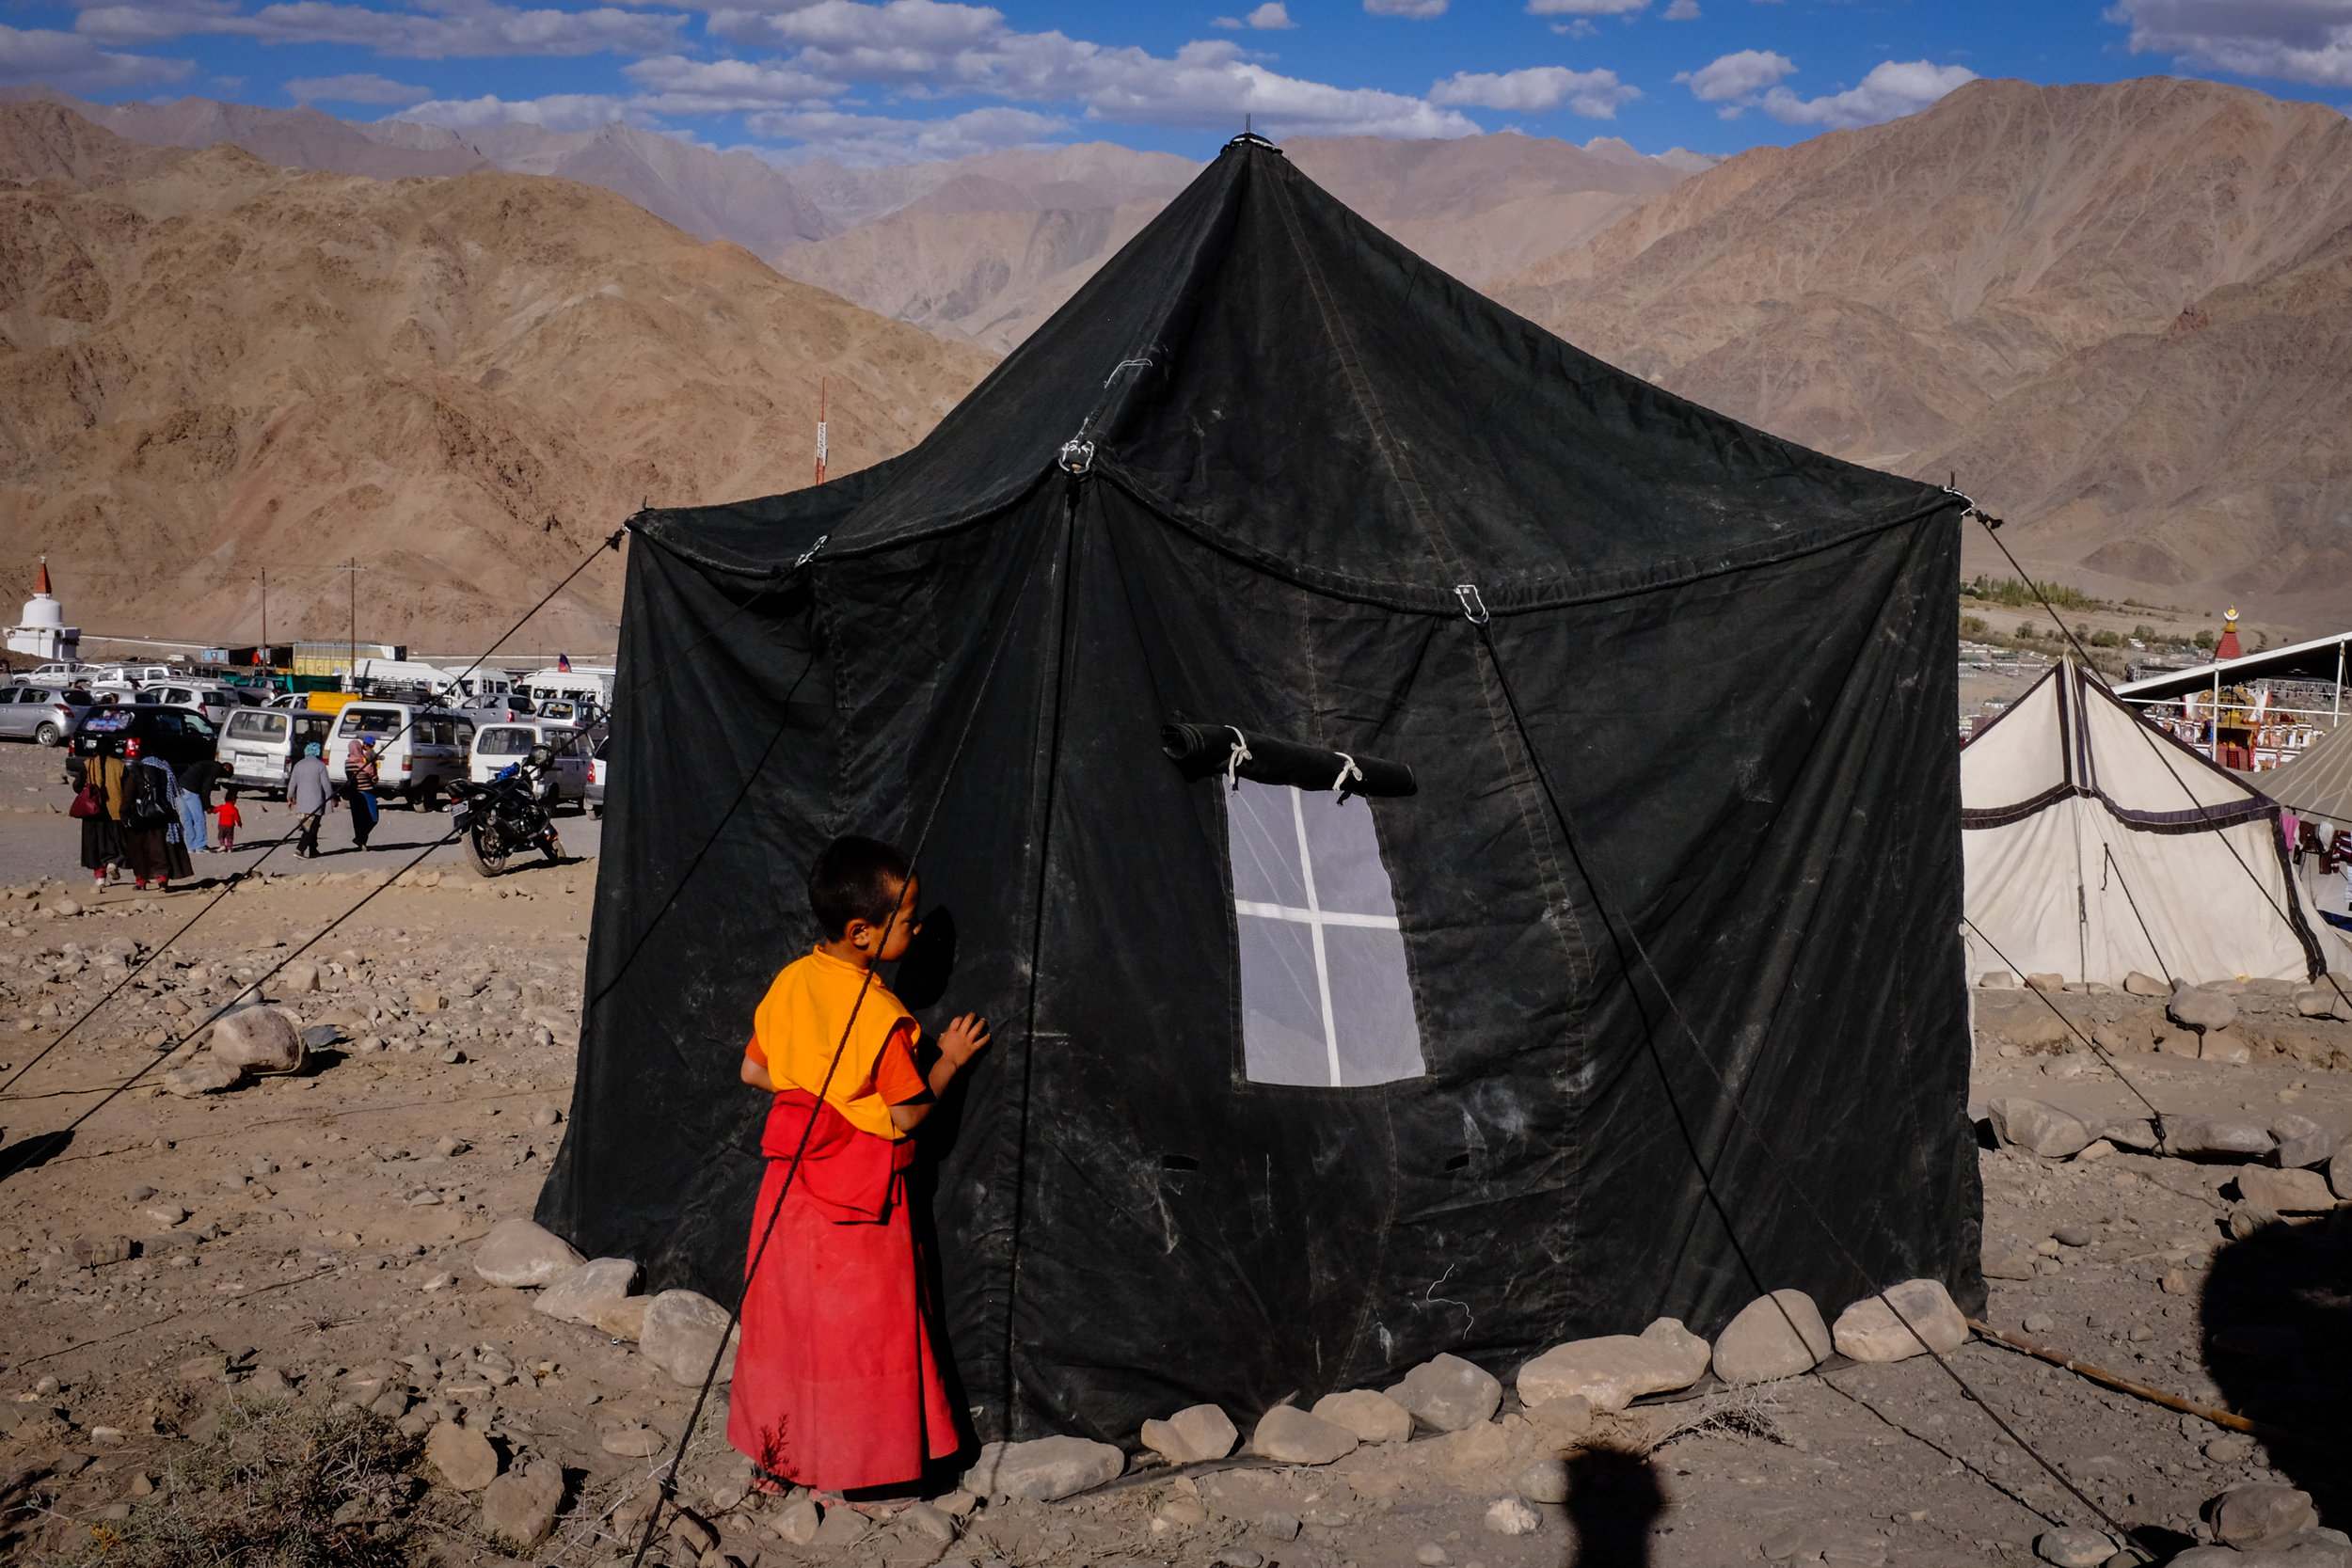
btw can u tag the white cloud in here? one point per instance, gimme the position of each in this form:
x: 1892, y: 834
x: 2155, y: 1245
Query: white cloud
x: 926, y: 48
x: 678, y: 86
x: 354, y: 89
x: 39, y: 57
x: 1736, y: 78
x: 557, y: 112
x: 1682, y: 10
x: 1419, y: 11
x: 1270, y: 17
x: 1538, y: 90
x: 866, y: 141
x: 2296, y: 41
x: 1209, y: 87
x: 1893, y: 88
x: 453, y: 28
x: 1584, y: 8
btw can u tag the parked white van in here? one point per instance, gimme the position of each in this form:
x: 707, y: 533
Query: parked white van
x: 498, y: 747
x: 419, y: 750
x: 260, y: 745
x: 583, y: 683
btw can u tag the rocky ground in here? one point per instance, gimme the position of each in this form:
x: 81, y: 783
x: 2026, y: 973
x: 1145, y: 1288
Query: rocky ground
x: 261, y: 1308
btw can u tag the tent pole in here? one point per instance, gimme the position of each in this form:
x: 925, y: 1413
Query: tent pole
x: 2337, y: 719
x: 1059, y: 680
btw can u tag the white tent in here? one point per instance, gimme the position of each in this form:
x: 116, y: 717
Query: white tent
x: 2096, y: 845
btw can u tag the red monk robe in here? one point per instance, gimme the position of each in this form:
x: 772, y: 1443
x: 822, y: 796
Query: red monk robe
x: 836, y: 1385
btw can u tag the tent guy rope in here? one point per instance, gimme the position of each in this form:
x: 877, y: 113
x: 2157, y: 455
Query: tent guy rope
x: 1612, y: 923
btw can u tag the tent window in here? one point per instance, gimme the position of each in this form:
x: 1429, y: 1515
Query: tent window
x: 1324, y: 997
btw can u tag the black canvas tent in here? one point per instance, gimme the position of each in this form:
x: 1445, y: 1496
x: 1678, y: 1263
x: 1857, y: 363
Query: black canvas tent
x: 1646, y: 997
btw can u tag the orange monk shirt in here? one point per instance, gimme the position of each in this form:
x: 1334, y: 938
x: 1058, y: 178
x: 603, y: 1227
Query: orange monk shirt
x: 799, y: 1024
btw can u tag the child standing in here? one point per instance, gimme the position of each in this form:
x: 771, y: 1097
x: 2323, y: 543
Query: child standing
x: 836, y: 1385
x: 226, y: 821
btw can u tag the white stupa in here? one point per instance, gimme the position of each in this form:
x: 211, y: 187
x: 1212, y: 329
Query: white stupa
x: 42, y: 631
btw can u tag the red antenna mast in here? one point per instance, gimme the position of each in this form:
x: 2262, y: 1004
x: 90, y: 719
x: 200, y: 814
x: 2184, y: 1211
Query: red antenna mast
x: 820, y: 430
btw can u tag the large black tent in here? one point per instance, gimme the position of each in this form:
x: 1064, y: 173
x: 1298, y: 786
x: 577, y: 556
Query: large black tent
x: 1629, y: 986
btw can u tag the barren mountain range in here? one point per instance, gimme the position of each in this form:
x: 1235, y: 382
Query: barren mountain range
x: 210, y: 366
x: 979, y: 249
x: 2118, y: 312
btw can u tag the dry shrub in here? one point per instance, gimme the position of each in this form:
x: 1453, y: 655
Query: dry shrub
x: 1734, y: 1413
x: 276, y: 1484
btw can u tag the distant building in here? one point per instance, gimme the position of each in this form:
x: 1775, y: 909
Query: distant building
x: 2228, y: 647
x: 43, y: 632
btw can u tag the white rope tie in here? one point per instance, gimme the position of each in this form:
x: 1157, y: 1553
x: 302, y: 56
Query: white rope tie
x: 1348, y: 770
x: 1234, y: 760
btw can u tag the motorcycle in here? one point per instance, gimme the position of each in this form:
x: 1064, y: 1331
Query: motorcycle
x: 508, y: 817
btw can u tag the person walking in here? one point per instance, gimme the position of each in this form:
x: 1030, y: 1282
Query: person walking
x: 359, y: 777
x: 151, y: 820
x: 308, y: 793
x: 96, y: 800
x: 197, y: 779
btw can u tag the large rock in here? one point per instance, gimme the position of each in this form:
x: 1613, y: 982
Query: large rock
x: 2038, y: 1128
x: 1289, y: 1435
x: 260, y: 1039
x: 2285, y: 1192
x: 2301, y: 1143
x: 1371, y: 1415
x: 519, y: 1252
x: 518, y: 1511
x: 1777, y: 1336
x: 589, y: 1291
x: 2262, y: 1517
x: 624, y: 1319
x: 682, y: 1331
x: 1616, y: 1370
x: 2339, y: 1172
x: 2145, y: 985
x: 462, y: 1455
x: 204, y: 1075
x: 1044, y: 1470
x: 2200, y: 1135
x: 1447, y: 1393
x: 1870, y: 1330
x: 2195, y: 1008
x: 1192, y: 1434
x: 2316, y: 1002
x: 2074, y: 1548
x: 1543, y: 1480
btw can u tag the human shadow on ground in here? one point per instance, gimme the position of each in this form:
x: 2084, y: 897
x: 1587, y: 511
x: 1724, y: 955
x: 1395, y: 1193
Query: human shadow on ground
x: 2277, y: 1342
x: 33, y: 1153
x: 1613, y: 1499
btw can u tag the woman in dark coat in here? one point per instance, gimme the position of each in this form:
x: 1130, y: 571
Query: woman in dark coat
x: 151, y: 820
x: 101, y: 833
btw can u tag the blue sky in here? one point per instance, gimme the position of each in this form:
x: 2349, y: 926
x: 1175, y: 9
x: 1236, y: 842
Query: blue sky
x: 884, y: 81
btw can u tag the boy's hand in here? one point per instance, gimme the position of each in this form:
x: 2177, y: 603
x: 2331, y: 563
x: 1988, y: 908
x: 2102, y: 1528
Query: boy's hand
x: 963, y: 1039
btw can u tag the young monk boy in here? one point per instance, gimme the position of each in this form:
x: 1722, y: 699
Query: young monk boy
x: 836, y: 1385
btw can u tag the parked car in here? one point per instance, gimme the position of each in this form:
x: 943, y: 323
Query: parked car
x: 421, y: 751
x: 596, y: 776
x: 58, y: 674
x: 496, y: 747
x: 260, y: 745
x: 48, y: 714
x: 180, y: 735
x: 218, y: 702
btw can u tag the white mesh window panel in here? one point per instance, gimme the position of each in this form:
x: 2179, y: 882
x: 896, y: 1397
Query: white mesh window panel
x: 1324, y: 999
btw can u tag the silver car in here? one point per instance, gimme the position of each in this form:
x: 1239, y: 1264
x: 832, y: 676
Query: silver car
x: 48, y: 714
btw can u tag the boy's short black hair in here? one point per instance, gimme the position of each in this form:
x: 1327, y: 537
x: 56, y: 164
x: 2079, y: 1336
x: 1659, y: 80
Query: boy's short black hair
x: 855, y: 879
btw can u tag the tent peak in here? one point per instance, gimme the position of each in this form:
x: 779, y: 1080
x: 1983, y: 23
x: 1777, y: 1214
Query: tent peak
x: 1251, y: 138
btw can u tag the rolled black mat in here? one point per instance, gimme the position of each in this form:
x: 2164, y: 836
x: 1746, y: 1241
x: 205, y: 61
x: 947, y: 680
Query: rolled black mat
x: 1202, y: 750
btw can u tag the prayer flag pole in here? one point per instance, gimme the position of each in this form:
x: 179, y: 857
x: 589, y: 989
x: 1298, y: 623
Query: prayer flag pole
x: 820, y: 430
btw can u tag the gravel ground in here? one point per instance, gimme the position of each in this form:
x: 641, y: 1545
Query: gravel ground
x: 299, y: 1230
